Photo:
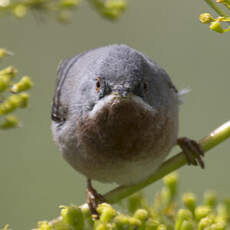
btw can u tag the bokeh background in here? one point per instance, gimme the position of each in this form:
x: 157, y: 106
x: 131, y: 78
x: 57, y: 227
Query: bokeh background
x: 34, y: 179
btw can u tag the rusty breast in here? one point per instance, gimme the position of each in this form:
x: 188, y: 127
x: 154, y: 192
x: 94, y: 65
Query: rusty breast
x: 123, y: 130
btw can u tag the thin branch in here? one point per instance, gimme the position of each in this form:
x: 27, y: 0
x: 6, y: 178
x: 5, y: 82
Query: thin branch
x: 216, y: 8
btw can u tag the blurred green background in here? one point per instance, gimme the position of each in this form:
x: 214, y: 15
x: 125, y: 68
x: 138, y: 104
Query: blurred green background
x: 34, y: 179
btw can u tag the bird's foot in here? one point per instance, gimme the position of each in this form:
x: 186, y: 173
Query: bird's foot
x: 93, y: 199
x: 192, y: 150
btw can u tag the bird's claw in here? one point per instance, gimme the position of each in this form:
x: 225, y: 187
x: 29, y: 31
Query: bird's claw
x: 93, y: 199
x: 192, y: 150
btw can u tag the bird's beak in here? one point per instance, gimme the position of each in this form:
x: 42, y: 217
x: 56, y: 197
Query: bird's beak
x: 123, y: 93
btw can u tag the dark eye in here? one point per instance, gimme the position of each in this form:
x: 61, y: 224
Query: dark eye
x: 98, y: 84
x: 145, y: 86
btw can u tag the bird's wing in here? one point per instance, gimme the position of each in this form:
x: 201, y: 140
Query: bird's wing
x: 58, y: 111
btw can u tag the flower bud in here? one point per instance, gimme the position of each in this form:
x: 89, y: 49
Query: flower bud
x: 182, y: 214
x: 106, y: 212
x: 115, y: 4
x: 9, y: 122
x: 151, y: 224
x: 9, y: 105
x: 4, y: 82
x: 24, y: 99
x: 87, y: 215
x: 210, y: 199
x: 204, y: 223
x: 187, y: 225
x: 141, y: 214
x: 20, y: 11
x: 134, y: 202
x: 102, y: 226
x: 222, y: 211
x: 171, y: 182
x: 218, y: 226
x: 121, y: 222
x: 68, y: 3
x: 44, y: 225
x: 162, y: 227
x: 206, y: 18
x: 3, y: 53
x: 73, y: 216
x: 9, y: 71
x: 189, y: 200
x: 216, y: 26
x: 134, y: 223
x: 202, y: 211
x: 24, y: 84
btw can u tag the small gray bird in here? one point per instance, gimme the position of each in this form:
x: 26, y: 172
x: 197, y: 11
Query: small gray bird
x: 115, y: 117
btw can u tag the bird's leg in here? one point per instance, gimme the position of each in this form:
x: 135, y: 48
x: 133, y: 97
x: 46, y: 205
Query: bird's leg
x: 93, y: 198
x: 192, y: 150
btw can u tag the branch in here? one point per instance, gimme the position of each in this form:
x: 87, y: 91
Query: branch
x: 216, y: 8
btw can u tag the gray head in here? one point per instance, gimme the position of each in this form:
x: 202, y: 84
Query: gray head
x: 119, y: 70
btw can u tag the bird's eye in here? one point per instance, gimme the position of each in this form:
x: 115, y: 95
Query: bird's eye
x: 145, y: 86
x: 98, y: 84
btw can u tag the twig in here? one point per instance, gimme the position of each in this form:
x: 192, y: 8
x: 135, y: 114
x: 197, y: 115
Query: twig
x: 216, y: 8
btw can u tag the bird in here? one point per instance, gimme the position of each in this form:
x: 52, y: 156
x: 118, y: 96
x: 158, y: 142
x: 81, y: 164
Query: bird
x: 115, y: 117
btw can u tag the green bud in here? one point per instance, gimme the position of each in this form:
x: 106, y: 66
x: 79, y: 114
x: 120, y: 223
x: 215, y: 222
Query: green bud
x: 141, y: 214
x: 171, y: 182
x: 9, y: 122
x: 187, y: 225
x: 106, y: 212
x: 6, y: 227
x: 20, y: 11
x: 24, y: 99
x: 204, y: 223
x: 4, y: 82
x: 206, y: 18
x: 102, y: 226
x: 165, y: 195
x: 121, y: 222
x: 68, y: 3
x: 3, y: 53
x: 44, y: 225
x: 151, y: 224
x: 9, y: 71
x: 222, y: 211
x: 219, y: 226
x: 15, y: 100
x: 210, y: 199
x: 162, y: 227
x: 24, y: 84
x: 134, y: 223
x: 134, y: 202
x: 189, y: 200
x: 73, y: 216
x: 202, y: 211
x: 182, y: 214
x: 115, y: 4
x: 111, y: 14
x: 216, y: 26
x: 60, y: 225
x: 7, y: 107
